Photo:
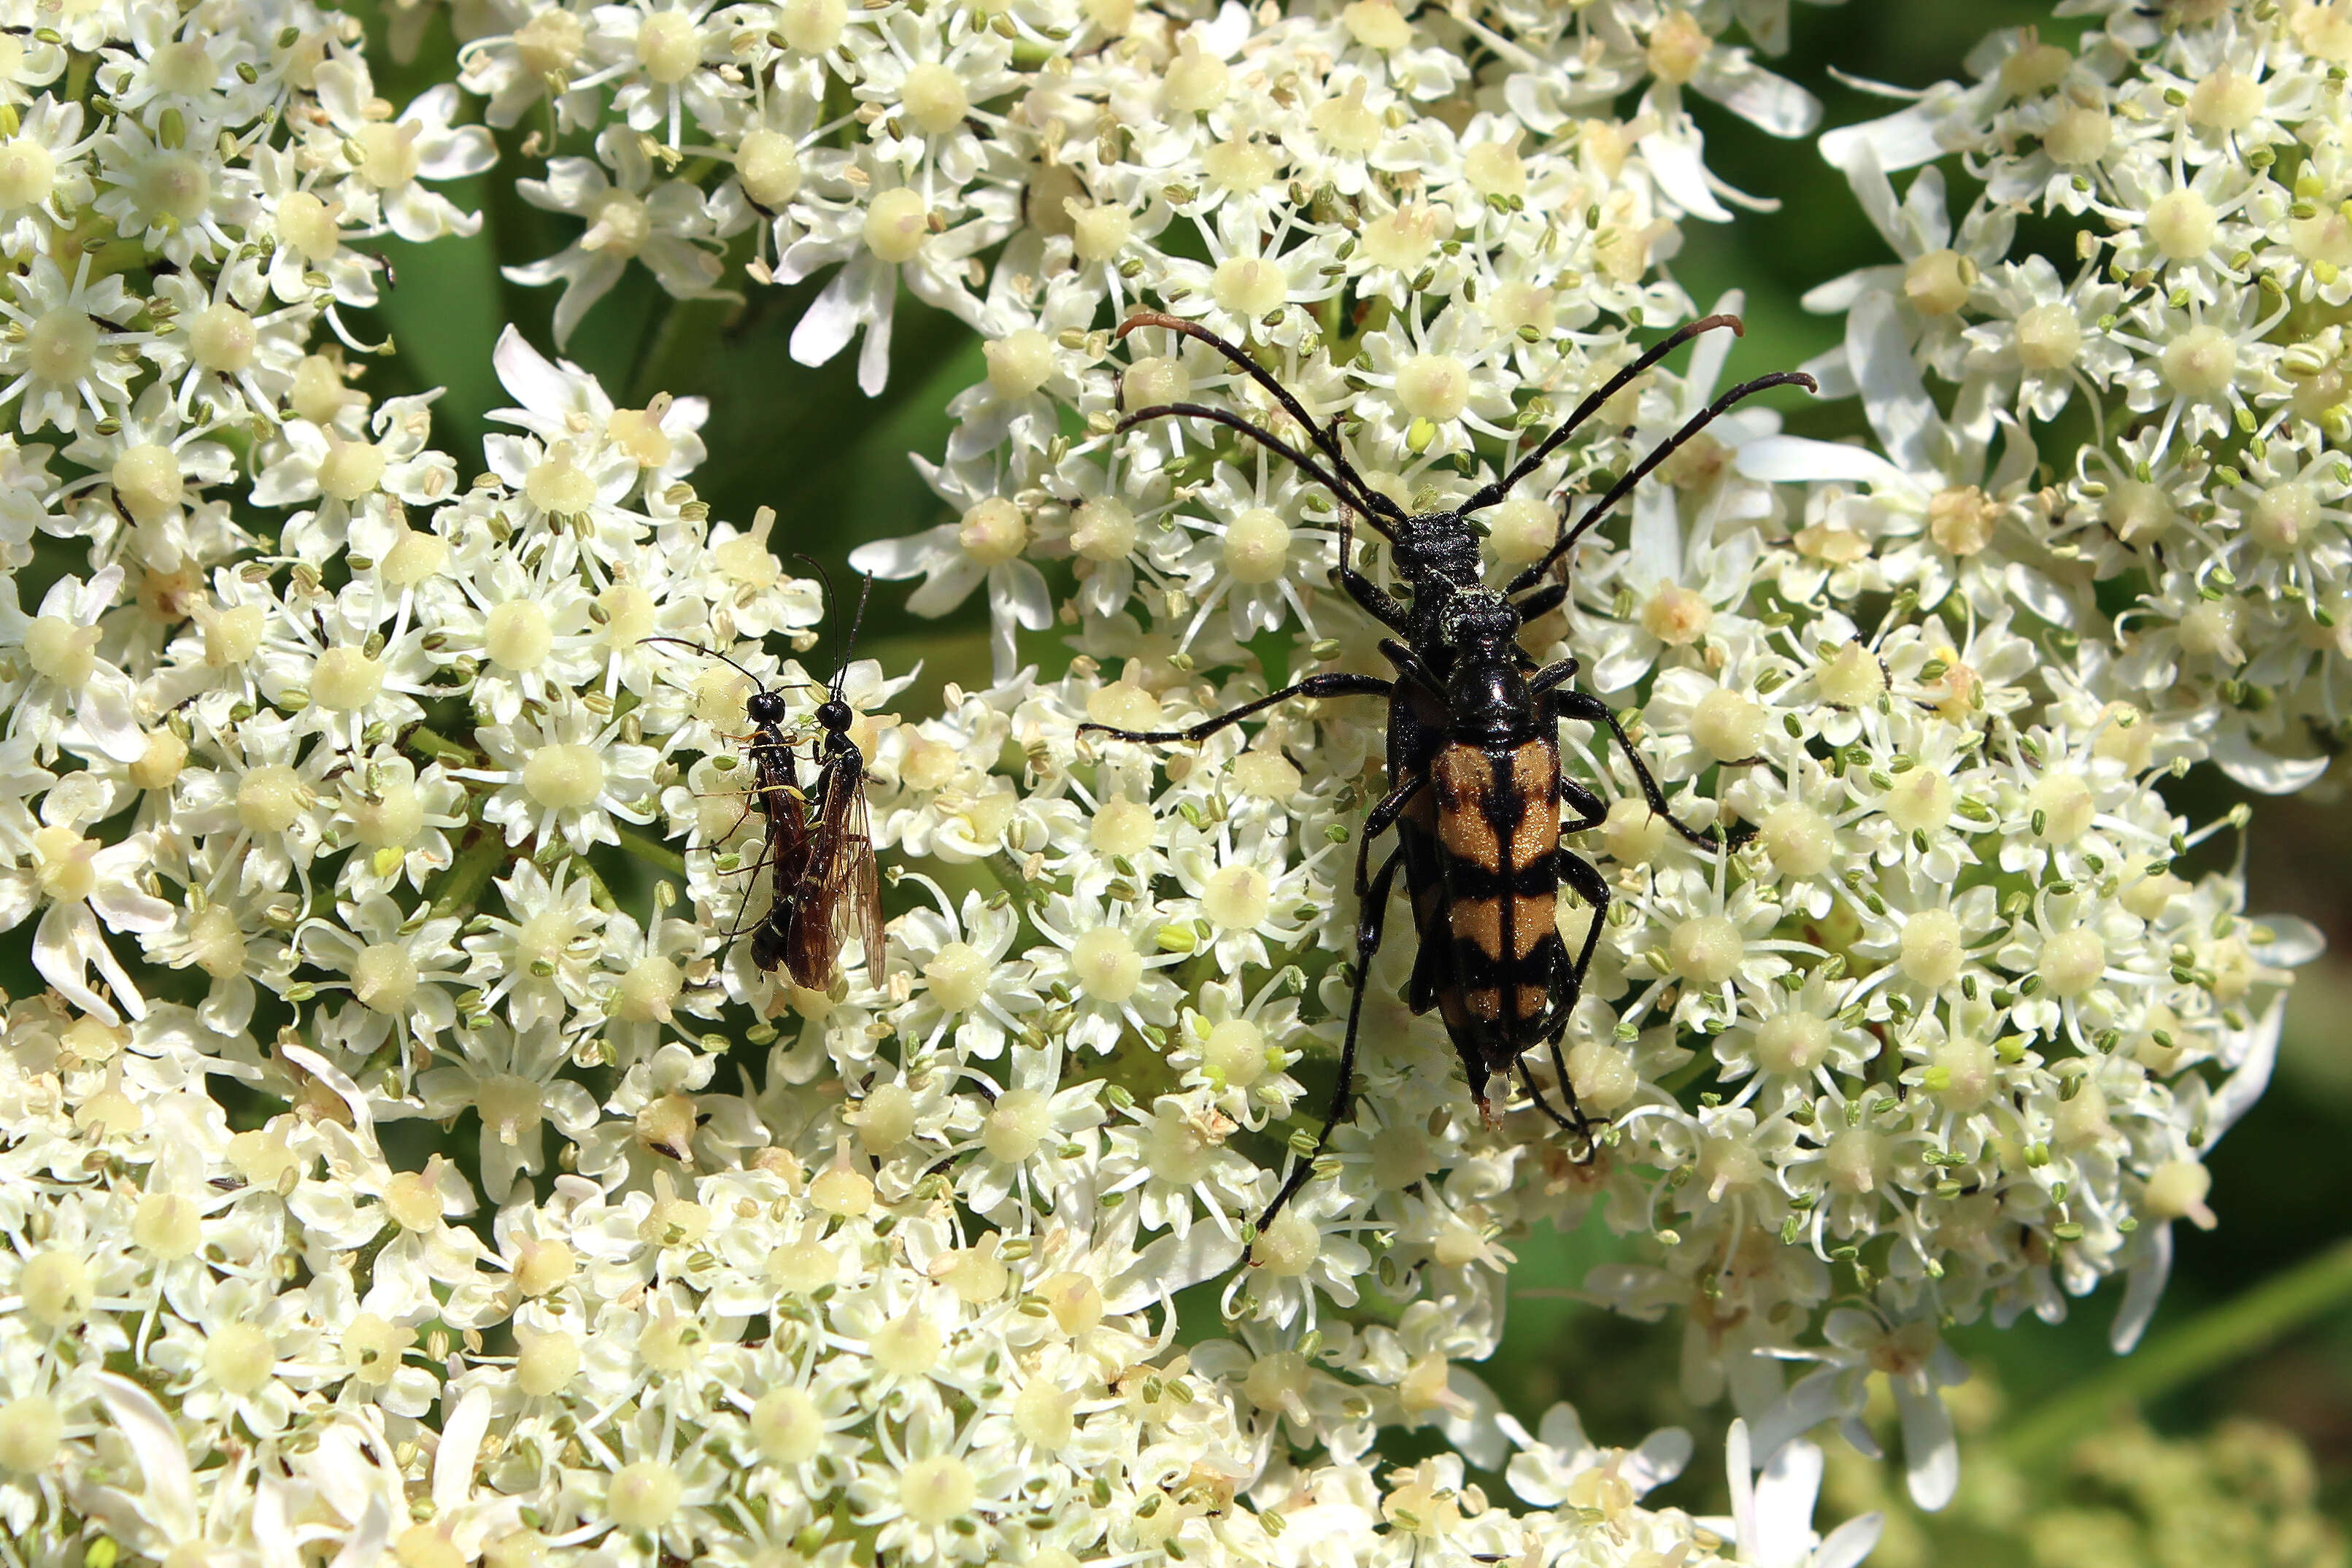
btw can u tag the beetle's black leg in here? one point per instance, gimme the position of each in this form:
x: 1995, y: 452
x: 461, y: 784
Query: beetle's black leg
x: 1585, y: 880
x: 1591, y: 809
x: 1368, y: 921
x: 1382, y: 818
x: 1336, y: 685
x: 1551, y: 675
x: 1535, y: 1094
x: 1377, y: 602
x: 1541, y: 602
x: 1582, y: 704
x: 1409, y: 666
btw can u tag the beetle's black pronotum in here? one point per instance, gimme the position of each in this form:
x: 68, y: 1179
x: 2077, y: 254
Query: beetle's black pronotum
x: 1474, y: 781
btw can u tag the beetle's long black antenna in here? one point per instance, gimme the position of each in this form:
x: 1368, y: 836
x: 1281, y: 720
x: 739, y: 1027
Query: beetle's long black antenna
x: 1495, y: 492
x: 710, y: 654
x: 1659, y: 454
x: 1324, y: 439
x: 1272, y: 443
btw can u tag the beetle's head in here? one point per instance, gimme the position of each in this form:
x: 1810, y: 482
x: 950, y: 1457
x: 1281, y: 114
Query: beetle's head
x: 1437, y: 547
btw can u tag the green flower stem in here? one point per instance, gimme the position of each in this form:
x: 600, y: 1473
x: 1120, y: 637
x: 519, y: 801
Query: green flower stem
x: 460, y: 887
x: 2214, y: 1339
x: 1005, y: 870
x: 679, y: 345
x: 436, y: 747
x: 653, y: 853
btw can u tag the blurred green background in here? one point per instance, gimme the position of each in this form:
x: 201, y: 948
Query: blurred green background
x: 2243, y: 1335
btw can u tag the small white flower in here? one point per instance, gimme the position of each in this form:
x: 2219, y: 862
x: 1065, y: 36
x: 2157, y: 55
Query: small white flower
x: 630, y: 217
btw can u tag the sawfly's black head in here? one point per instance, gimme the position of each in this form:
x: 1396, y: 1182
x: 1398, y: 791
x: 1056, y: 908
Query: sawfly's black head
x: 766, y: 707
x: 835, y: 715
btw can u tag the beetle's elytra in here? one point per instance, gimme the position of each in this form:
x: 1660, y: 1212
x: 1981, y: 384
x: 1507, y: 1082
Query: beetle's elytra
x: 1475, y: 790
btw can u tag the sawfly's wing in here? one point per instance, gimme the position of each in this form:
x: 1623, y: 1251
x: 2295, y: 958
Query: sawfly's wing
x: 840, y: 894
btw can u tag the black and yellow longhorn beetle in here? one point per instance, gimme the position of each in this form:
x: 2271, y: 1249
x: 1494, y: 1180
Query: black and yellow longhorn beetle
x: 1474, y: 781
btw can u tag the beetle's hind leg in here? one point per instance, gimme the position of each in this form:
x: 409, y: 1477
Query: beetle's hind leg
x: 1584, y: 879
x: 1574, y: 1121
x: 1326, y: 686
x: 1370, y: 920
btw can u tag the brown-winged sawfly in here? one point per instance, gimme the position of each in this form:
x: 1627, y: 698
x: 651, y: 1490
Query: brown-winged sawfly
x: 818, y: 849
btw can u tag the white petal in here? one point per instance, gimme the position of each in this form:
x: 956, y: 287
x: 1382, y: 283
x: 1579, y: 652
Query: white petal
x: 104, y: 590
x: 1875, y: 194
x: 1680, y: 169
x: 873, y: 356
x: 2256, y: 1051
x: 2039, y: 594
x: 338, y: 1083
x: 1850, y: 1542
x: 1019, y: 588
x: 1926, y: 212
x: 1784, y: 1505
x: 1474, y: 1433
x: 2259, y: 772
x: 571, y: 184
x: 273, y: 1539
x: 2143, y: 1287
x: 1563, y: 1430
x: 1774, y: 105
x: 1225, y: 36
x: 1802, y: 460
x: 2294, y: 941
x: 1168, y: 1265
x: 62, y: 945
x: 1654, y: 546
x: 1709, y: 354
x: 910, y: 556
x: 950, y: 584
x: 1741, y: 1477
x: 1903, y: 139
x: 592, y: 280
x: 826, y: 327
x: 1663, y: 1456
x: 170, y: 1500
x: 530, y: 378
x: 366, y: 1545
x: 106, y: 717
x: 1894, y: 398
x: 1931, y: 1455
x: 461, y: 1445
x: 1817, y: 1397
x: 124, y: 908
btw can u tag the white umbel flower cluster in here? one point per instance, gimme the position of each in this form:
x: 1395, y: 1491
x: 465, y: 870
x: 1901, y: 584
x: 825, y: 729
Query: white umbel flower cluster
x: 381, y: 1182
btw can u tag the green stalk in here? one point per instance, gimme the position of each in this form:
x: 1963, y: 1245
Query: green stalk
x: 2216, y: 1338
x: 673, y: 357
x: 461, y: 885
x: 658, y: 855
